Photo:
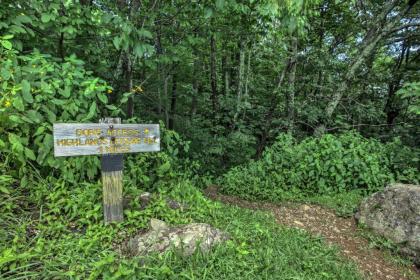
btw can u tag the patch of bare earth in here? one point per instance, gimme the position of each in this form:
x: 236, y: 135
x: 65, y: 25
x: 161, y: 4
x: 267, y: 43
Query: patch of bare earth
x: 338, y: 231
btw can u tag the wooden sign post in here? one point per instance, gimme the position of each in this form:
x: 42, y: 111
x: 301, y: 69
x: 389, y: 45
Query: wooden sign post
x: 111, y: 139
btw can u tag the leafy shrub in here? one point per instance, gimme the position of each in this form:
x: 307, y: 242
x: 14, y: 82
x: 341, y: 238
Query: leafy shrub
x: 36, y: 91
x: 330, y: 164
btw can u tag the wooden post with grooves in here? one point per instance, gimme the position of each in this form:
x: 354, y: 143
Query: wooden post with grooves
x: 112, y: 181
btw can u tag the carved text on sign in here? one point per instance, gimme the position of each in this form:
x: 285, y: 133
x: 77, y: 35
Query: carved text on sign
x: 94, y: 138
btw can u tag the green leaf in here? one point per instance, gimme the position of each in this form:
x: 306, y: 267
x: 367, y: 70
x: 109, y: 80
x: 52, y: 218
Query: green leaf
x: 18, y: 104
x: 145, y: 33
x: 92, y: 111
x: 3, y: 189
x: 139, y: 50
x: 220, y: 4
x: 6, y: 44
x: 7, y: 37
x: 15, y: 119
x: 29, y: 154
x: 65, y: 92
x: 208, y: 12
x: 26, y: 91
x: 51, y: 116
x: 16, y: 142
x: 103, y: 98
x: 5, y: 74
x: 116, y: 41
x: 111, y: 107
x: 39, y: 131
x: 46, y: 17
x: 163, y: 168
x: 35, y: 116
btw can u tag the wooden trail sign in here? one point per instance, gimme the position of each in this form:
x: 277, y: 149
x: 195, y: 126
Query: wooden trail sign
x: 76, y: 139
x: 111, y: 139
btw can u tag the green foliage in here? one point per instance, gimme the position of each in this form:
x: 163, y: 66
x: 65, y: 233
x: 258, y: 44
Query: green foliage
x: 411, y: 93
x: 327, y: 165
x: 229, y: 77
x: 64, y: 239
x: 344, y: 204
x: 36, y: 92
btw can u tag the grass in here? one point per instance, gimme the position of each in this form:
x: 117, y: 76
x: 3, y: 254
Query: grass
x: 344, y: 204
x: 74, y: 243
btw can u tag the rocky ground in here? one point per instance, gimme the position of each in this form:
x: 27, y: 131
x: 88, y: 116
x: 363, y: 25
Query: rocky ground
x: 338, y: 231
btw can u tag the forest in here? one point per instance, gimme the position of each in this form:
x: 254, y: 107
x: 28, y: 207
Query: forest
x: 277, y: 121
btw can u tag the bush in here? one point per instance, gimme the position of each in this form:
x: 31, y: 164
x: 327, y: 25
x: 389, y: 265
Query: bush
x: 330, y: 164
x: 37, y: 91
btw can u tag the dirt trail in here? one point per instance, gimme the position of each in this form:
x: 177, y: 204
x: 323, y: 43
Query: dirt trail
x: 338, y: 231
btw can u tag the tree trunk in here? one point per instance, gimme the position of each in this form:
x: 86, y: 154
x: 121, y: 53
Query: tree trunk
x: 165, y: 93
x: 129, y: 80
x: 213, y: 77
x: 196, y: 86
x: 239, y: 89
x: 173, y: 102
x: 271, y: 110
x: 378, y: 31
x: 290, y: 96
x: 159, y: 52
x: 392, y: 109
x: 248, y: 74
x: 225, y: 70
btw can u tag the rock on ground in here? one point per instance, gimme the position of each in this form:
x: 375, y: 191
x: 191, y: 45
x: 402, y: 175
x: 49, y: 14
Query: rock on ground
x: 394, y: 213
x: 185, y: 238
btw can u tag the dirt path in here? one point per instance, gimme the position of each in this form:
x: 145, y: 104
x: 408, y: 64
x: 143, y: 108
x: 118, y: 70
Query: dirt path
x: 338, y: 231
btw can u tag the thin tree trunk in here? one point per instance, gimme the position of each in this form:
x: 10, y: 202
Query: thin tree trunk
x: 240, y: 81
x: 61, y: 47
x: 129, y: 79
x: 248, y: 74
x: 225, y: 70
x: 159, y: 52
x: 213, y: 77
x: 196, y: 88
x: 165, y: 93
x: 290, y: 97
x: 173, y: 102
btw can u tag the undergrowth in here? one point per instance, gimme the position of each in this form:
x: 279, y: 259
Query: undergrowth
x: 343, y: 167
x: 62, y: 237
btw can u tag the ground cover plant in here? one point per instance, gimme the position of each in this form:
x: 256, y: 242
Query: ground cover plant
x: 66, y: 239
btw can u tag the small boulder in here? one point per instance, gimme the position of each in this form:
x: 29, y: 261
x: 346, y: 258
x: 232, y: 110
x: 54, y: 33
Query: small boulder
x: 394, y: 213
x: 185, y: 239
x: 145, y: 199
x: 173, y: 204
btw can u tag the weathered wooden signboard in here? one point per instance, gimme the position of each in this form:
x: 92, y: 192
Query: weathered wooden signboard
x: 73, y: 139
x: 111, y: 140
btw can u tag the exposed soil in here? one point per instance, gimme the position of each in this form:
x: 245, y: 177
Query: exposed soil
x: 338, y: 231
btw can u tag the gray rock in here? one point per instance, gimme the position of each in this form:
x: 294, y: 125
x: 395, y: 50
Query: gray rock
x: 145, y: 199
x: 394, y: 213
x: 157, y: 225
x: 173, y: 204
x: 184, y: 239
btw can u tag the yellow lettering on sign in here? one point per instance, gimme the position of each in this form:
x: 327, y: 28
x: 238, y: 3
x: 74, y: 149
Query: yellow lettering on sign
x: 149, y: 140
x: 88, y: 132
x: 116, y: 149
x: 122, y: 132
